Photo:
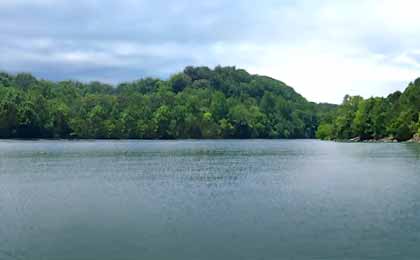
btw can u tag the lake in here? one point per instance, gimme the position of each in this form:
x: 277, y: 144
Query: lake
x: 226, y: 199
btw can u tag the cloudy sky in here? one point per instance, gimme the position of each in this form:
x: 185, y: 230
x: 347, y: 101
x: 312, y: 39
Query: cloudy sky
x: 323, y: 48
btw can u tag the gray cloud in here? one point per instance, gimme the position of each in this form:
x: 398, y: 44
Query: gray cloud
x: 58, y: 39
x: 304, y: 43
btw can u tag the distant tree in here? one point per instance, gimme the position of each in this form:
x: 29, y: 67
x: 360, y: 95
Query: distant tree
x: 325, y: 131
x: 224, y: 102
x: 395, y: 116
x: 180, y: 81
x: 24, y: 80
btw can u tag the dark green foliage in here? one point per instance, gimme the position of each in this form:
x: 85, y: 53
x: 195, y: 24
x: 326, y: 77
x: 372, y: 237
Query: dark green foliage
x: 396, y: 116
x: 197, y: 103
x: 179, y: 82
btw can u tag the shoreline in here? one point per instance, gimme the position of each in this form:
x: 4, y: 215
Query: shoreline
x: 414, y: 139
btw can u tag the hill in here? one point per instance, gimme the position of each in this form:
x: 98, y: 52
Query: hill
x: 199, y: 102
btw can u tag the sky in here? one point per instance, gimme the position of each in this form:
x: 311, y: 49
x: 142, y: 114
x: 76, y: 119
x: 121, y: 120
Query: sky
x: 324, y: 49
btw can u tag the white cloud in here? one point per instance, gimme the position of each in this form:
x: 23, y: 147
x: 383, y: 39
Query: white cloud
x: 323, y: 48
x: 350, y: 53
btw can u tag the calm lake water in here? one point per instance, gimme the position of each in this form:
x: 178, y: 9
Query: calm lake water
x: 210, y: 200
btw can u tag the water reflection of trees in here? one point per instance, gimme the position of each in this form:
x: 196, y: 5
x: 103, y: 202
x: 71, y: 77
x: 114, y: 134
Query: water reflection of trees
x: 414, y: 149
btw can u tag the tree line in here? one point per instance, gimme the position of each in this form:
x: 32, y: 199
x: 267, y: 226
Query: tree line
x: 224, y: 102
x: 394, y: 117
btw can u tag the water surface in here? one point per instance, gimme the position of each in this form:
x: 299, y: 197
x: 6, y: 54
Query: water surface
x: 256, y: 199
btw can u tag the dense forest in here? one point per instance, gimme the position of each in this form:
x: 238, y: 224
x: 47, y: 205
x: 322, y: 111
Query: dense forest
x: 199, y: 102
x: 396, y: 117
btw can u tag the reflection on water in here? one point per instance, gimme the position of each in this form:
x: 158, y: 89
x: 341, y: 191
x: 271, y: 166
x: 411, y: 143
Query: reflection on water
x: 256, y: 199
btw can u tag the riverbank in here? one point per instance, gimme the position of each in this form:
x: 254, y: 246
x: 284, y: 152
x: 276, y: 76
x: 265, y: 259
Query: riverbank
x: 414, y: 139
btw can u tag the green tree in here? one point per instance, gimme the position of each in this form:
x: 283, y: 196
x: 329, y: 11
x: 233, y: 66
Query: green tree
x: 224, y: 102
x: 180, y: 81
x: 325, y: 131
